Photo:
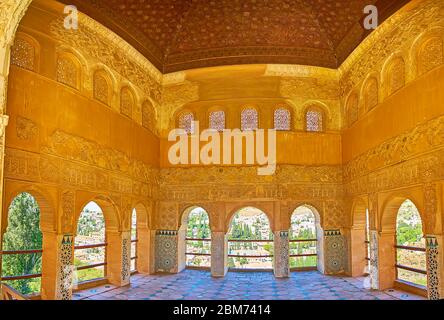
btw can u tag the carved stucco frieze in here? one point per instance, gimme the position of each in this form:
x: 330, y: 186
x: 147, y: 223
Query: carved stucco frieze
x: 430, y: 206
x: 101, y: 44
x: 68, y: 207
x: 424, y: 137
x: 396, y: 34
x: 29, y: 166
x: 89, y: 152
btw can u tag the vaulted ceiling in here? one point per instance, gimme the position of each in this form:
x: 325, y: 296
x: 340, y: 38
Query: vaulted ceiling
x: 184, y: 34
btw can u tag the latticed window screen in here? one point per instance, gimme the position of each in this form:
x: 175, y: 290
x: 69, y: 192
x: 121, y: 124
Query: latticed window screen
x: 67, y: 72
x: 100, y: 88
x: 352, y: 109
x: 186, y: 122
x: 314, y: 120
x: 22, y: 54
x: 217, y: 120
x: 282, y: 119
x: 249, y: 119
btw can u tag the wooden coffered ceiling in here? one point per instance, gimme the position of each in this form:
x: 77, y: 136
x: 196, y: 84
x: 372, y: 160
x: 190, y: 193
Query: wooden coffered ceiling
x: 184, y: 34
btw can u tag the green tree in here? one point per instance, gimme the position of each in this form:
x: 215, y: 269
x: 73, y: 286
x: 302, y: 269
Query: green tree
x: 23, y: 233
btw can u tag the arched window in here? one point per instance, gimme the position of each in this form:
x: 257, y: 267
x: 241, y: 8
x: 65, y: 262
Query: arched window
x: 134, y: 240
x: 186, y: 122
x: 371, y: 94
x: 314, y: 120
x: 148, y: 115
x: 23, y: 54
x: 431, y: 55
x: 282, y: 119
x: 410, y: 246
x: 396, y: 75
x: 67, y: 71
x: 126, y: 102
x: 352, y: 109
x: 303, y: 239
x: 198, y: 239
x: 22, y: 246
x: 217, y: 120
x: 249, y: 119
x: 250, y: 240
x: 101, y: 88
x: 90, y: 244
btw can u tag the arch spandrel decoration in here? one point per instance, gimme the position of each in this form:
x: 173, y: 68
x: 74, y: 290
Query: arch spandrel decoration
x: 45, y: 198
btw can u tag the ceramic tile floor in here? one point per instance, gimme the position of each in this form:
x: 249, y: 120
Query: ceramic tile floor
x: 199, y: 285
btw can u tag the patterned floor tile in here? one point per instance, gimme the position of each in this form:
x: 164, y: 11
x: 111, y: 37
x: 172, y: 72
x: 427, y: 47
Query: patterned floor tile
x: 199, y: 285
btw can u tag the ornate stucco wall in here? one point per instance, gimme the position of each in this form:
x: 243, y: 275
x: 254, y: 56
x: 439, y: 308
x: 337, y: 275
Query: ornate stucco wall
x: 70, y: 141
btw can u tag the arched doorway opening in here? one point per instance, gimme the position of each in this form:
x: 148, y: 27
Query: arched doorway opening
x: 250, y: 240
x: 304, y: 233
x: 90, y: 244
x: 197, y: 234
x: 21, y: 266
x: 411, y: 265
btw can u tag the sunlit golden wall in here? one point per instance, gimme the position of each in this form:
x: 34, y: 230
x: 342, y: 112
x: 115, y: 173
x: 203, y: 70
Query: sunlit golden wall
x: 79, y: 123
x: 91, y: 116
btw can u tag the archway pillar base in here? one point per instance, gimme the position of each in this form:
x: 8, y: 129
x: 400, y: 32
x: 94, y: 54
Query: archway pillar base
x: 281, y: 263
x: 386, y: 260
x: 219, y: 254
x: 145, y: 252
x: 118, y: 253
x: 57, y: 266
x: 357, y: 264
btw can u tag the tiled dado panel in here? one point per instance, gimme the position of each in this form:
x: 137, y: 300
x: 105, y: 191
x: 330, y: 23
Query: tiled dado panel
x: 66, y: 269
x: 335, y: 252
x: 432, y: 251
x: 166, y: 251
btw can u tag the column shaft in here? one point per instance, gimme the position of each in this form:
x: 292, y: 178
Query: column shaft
x: 118, y: 257
x: 219, y: 254
x: 281, y: 263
